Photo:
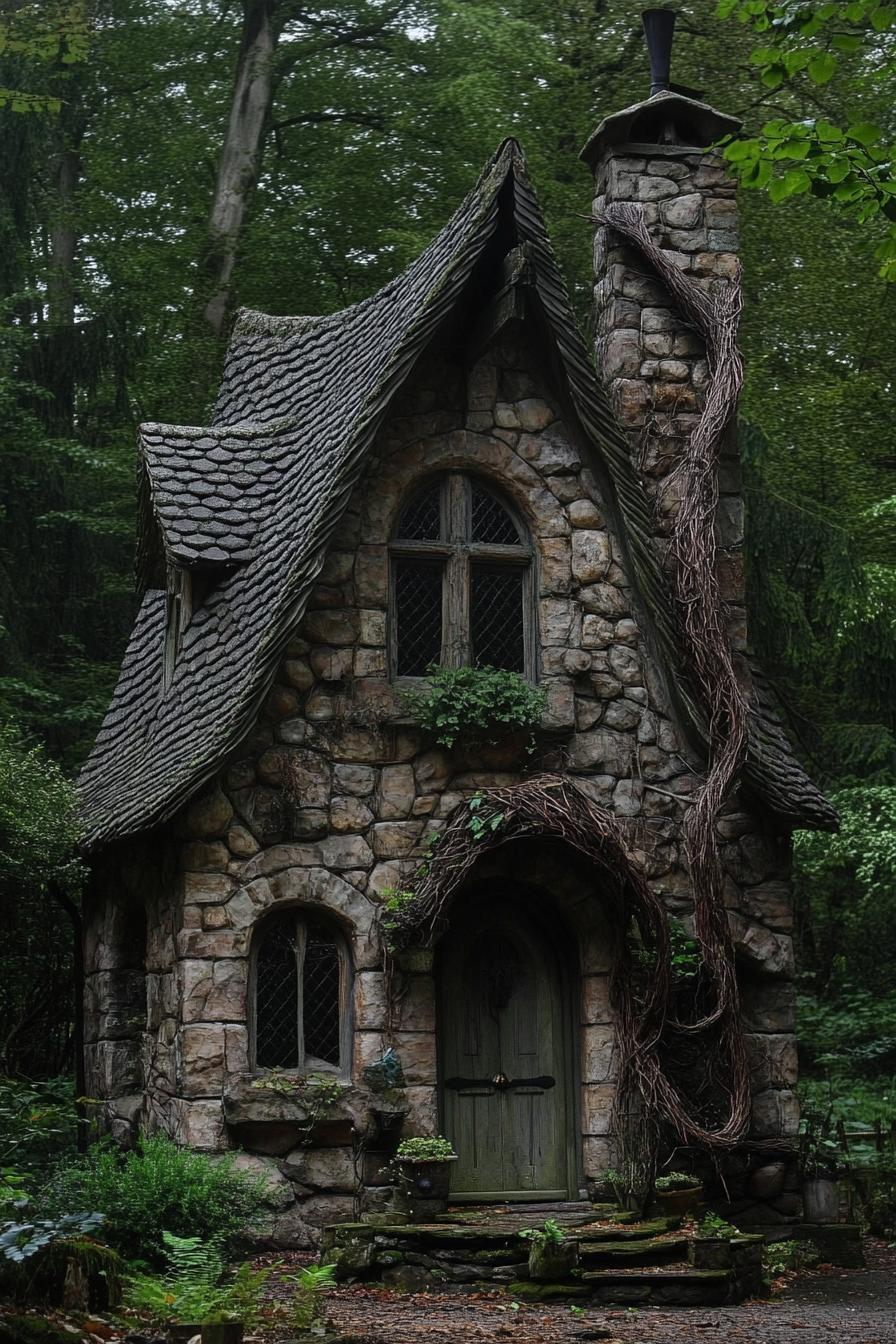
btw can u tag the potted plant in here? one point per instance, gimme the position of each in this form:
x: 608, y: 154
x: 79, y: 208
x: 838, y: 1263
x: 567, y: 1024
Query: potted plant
x: 821, y: 1161
x: 552, y: 1257
x: 424, y: 1167
x: 678, y: 1193
x: 711, y: 1247
x: 630, y: 1188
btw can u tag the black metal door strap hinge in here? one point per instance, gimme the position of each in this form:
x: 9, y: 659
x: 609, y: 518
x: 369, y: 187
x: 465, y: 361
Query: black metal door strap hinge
x: 500, y: 1081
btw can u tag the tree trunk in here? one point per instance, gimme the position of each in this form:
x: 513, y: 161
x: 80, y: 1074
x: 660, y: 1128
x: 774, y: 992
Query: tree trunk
x: 73, y: 912
x: 241, y: 156
x: 60, y: 355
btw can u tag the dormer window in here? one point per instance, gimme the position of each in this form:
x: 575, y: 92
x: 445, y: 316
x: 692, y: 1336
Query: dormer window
x: 461, y: 579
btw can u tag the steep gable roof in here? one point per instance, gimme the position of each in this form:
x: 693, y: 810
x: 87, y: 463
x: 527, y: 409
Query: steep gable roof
x: 302, y: 400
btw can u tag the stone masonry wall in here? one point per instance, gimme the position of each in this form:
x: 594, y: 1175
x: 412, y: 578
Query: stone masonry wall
x: 652, y: 360
x: 332, y: 797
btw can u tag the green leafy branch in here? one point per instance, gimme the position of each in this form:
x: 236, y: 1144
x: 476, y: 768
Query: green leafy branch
x: 850, y: 167
x: 43, y: 34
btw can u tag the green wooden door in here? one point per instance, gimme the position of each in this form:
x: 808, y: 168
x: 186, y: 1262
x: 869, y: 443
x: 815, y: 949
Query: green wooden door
x: 504, y: 1068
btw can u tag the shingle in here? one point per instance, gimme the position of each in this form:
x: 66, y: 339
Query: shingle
x: 288, y: 441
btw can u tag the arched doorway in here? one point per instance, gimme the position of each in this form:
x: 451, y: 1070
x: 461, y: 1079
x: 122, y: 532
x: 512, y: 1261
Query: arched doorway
x: 506, y: 1061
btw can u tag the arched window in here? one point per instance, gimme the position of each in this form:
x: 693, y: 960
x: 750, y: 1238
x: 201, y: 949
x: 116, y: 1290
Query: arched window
x: 461, y: 571
x: 301, y: 994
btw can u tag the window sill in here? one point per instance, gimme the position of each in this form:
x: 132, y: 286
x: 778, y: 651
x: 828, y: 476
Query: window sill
x: 280, y: 1114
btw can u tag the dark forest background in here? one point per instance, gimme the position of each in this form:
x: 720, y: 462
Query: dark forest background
x: 150, y: 182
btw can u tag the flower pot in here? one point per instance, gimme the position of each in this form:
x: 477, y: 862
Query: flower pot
x: 680, y: 1203
x: 425, y: 1180
x: 182, y: 1334
x: 821, y: 1200
x: 552, y: 1261
x: 223, y: 1332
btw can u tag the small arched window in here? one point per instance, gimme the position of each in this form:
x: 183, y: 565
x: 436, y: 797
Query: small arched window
x: 301, y: 994
x: 461, y: 576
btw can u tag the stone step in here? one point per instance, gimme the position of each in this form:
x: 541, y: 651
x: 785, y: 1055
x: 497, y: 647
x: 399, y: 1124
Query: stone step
x: 645, y: 1231
x: 559, y: 1211
x: 621, y: 1254
x: 661, y: 1287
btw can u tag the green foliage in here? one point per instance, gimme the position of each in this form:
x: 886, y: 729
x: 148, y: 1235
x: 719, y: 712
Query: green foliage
x: 847, y: 166
x: 20, y: 1241
x: 476, y: 704
x: 881, y: 1210
x: 820, y: 1150
x: 847, y: 883
x: 311, y: 1284
x: 435, y: 1149
x: 712, y: 1227
x: 549, y: 1234
x: 191, y: 1291
x: 396, y: 902
x: 315, y: 1095
x: 484, y: 817
x: 37, y: 1122
x: 677, y: 1180
x: 38, y: 822
x: 852, y: 1098
x: 38, y: 834
x: 783, y: 1257
x: 159, y: 1189
x: 37, y: 35
x: 684, y: 952
x: 13, y: 1193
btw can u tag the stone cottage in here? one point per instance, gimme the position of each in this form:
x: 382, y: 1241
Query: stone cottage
x: 439, y: 474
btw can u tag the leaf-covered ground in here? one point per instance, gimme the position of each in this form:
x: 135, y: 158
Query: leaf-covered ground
x: 852, y: 1306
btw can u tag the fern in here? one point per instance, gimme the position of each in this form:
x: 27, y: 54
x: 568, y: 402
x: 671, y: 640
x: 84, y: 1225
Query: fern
x: 192, y: 1258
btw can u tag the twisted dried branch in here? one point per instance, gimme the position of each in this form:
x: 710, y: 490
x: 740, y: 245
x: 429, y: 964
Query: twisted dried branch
x: 705, y: 644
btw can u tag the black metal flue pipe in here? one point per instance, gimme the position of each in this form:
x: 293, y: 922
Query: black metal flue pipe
x: 659, y: 27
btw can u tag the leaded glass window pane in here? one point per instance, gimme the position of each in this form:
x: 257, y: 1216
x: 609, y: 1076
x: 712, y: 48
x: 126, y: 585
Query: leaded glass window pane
x: 277, y: 998
x: 490, y: 520
x: 418, y: 611
x: 321, y: 995
x: 421, y: 520
x: 496, y: 617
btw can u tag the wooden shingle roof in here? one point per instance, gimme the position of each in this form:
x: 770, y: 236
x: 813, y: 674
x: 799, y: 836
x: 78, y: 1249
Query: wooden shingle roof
x: 261, y: 491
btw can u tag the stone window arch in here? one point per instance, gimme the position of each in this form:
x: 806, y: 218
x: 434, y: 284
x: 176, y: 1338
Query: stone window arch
x: 301, y: 987
x: 461, y: 581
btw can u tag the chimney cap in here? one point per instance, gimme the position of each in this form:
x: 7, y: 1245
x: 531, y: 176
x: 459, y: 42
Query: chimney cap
x: 696, y: 126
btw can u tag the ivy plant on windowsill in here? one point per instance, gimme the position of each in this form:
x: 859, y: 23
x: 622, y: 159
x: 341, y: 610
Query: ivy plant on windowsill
x: 476, y: 704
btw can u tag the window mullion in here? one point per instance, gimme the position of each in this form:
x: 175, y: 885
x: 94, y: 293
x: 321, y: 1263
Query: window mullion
x: 456, y: 609
x: 458, y: 509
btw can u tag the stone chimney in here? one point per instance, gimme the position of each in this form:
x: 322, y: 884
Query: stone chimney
x: 655, y: 155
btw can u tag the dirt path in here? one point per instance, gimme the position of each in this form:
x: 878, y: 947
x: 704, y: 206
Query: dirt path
x: 827, y: 1305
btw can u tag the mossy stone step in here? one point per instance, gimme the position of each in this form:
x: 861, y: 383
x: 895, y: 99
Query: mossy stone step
x: 655, y: 1227
x: 527, y: 1290
x: 652, y: 1251
x: 672, y: 1288
x: 421, y: 1235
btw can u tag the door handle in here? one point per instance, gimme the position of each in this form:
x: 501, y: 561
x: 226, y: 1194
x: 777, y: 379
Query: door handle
x: 501, y: 1082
